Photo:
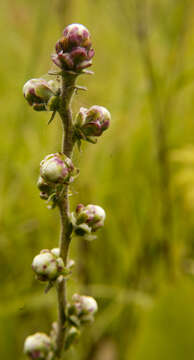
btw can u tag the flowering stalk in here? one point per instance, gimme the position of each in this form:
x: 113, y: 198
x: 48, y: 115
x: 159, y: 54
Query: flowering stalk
x: 73, y: 55
x: 66, y: 228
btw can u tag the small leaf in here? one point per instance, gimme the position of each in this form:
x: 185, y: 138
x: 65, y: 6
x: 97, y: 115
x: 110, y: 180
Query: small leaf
x: 48, y: 287
x: 52, y: 117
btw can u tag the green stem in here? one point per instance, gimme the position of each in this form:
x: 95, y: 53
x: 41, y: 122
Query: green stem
x: 67, y: 91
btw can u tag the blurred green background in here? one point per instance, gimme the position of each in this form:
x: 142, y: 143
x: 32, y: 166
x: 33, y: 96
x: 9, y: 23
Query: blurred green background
x: 141, y: 267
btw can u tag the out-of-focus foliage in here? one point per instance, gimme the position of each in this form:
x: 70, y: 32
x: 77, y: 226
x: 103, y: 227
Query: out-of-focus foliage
x: 144, y: 77
x: 183, y: 179
x: 167, y: 331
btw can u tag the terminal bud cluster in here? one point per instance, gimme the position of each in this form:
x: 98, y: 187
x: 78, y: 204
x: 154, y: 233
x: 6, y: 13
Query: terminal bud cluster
x: 73, y: 49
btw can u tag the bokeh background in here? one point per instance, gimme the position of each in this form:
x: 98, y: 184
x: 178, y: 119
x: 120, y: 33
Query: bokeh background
x: 141, y: 267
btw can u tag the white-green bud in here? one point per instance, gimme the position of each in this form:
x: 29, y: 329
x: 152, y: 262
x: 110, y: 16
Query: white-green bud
x: 85, y: 305
x: 37, y: 92
x: 57, y: 168
x: 87, y: 219
x: 47, y: 265
x: 37, y: 346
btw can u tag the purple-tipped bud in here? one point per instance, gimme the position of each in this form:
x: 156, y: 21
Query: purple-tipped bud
x: 83, y: 307
x: 92, y: 122
x: 77, y: 35
x: 37, y: 346
x: 87, y: 219
x: 85, y: 304
x: 73, y: 49
x: 48, y: 265
x: 97, y: 121
x: 37, y: 92
x: 57, y: 168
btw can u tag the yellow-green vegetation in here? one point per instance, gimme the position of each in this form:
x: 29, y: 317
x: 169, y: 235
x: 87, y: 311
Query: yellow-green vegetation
x: 141, y: 267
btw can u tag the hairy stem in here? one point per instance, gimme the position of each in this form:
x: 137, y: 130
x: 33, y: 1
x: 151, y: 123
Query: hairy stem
x: 67, y: 91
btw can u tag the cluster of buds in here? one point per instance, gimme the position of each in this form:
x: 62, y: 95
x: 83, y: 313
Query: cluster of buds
x: 87, y: 219
x: 92, y: 122
x: 48, y: 265
x: 57, y: 169
x: 82, y: 309
x: 37, y: 346
x: 73, y: 55
x: 73, y: 49
x: 41, y: 95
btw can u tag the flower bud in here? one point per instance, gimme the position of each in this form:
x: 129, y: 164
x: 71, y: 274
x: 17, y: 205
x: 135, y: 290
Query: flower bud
x: 82, y: 309
x: 92, y: 122
x: 47, y: 265
x: 97, y: 121
x: 57, y: 168
x: 73, y: 50
x: 88, y: 218
x: 85, y: 304
x: 38, y: 93
x: 77, y: 35
x: 37, y: 346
